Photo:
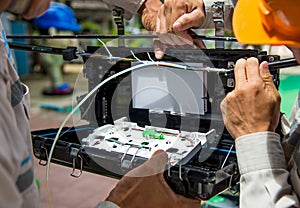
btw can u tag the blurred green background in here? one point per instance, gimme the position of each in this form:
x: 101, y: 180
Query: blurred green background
x: 288, y: 89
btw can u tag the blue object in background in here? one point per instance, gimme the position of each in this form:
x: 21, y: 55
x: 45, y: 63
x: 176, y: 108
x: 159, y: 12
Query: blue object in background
x: 59, y: 16
x: 22, y: 58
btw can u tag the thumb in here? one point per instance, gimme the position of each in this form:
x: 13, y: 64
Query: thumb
x: 265, y: 73
x: 155, y: 165
x: 189, y: 20
x: 197, y: 42
x: 266, y: 76
x: 158, y: 161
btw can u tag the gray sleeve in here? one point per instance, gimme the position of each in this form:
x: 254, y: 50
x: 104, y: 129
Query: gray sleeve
x: 130, y: 7
x: 265, y: 178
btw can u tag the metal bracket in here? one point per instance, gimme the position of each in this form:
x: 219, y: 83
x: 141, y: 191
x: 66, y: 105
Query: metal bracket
x: 118, y: 15
x: 75, y: 154
x: 68, y: 53
x: 46, y: 152
x: 231, y: 189
x: 125, y: 164
x: 218, y: 18
x: 169, y: 169
x: 180, y: 171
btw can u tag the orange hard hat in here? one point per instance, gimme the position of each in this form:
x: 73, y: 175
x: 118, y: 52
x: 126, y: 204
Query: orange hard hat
x: 274, y: 22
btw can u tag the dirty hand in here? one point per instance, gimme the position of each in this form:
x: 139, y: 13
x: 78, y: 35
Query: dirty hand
x: 254, y: 105
x: 145, y: 187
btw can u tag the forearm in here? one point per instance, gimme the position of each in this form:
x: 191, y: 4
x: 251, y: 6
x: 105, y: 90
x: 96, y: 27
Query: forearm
x: 264, y: 175
x: 15, y: 6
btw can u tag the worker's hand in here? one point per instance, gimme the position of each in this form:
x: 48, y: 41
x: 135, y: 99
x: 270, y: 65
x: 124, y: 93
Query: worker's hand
x: 254, y: 105
x: 145, y: 187
x: 179, y: 17
x: 174, y: 16
x: 36, y: 8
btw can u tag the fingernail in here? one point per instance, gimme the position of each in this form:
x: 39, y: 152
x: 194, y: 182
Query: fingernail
x: 265, y: 66
x: 159, y: 54
x: 177, y: 26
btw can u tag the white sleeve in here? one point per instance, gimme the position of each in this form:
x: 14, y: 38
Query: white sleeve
x: 131, y: 7
x: 264, y: 176
x: 107, y: 204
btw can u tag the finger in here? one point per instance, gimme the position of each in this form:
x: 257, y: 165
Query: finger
x: 162, y: 28
x: 264, y: 69
x: 239, y: 73
x: 181, y: 39
x: 161, y: 21
x: 189, y: 20
x: 265, y: 74
x: 173, y: 10
x: 158, y: 161
x: 198, y: 42
x: 252, y: 69
x: 159, y: 49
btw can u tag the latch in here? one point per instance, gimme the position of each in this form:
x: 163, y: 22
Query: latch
x: 118, y: 15
x: 74, y: 154
x: 218, y: 18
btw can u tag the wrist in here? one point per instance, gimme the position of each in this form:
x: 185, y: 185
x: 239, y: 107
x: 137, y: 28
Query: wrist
x: 240, y: 132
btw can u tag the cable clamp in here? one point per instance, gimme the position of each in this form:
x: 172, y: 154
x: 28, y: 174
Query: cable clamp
x: 126, y: 164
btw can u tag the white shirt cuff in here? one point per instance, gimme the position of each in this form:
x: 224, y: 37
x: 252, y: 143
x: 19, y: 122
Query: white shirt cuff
x: 259, y: 151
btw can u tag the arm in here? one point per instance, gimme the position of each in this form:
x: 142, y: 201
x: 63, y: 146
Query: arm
x: 265, y: 178
x: 251, y: 114
x: 28, y: 8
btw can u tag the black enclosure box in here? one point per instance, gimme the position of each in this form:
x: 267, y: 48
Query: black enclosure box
x: 196, y: 178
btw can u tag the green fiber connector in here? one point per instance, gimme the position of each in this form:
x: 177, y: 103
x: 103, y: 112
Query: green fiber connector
x: 152, y: 134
